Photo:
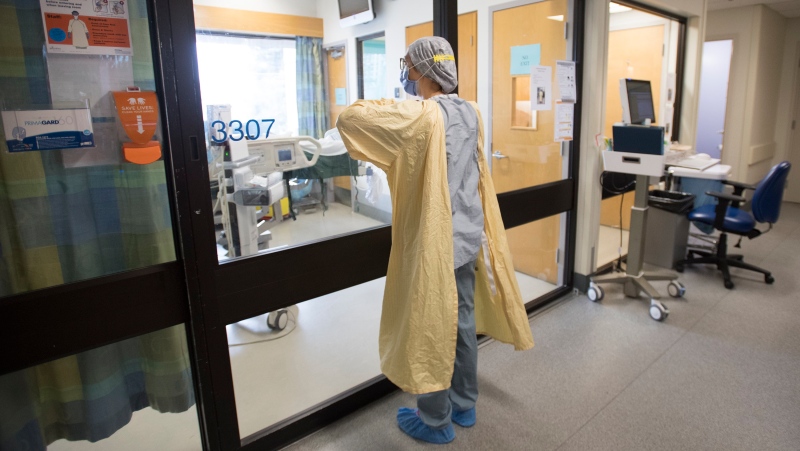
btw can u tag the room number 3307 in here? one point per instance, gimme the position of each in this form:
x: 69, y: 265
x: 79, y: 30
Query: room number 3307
x: 237, y: 130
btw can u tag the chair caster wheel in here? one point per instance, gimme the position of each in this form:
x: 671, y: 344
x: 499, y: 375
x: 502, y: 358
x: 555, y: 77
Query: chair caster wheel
x: 676, y: 289
x: 595, y: 292
x: 278, y: 320
x: 729, y: 284
x: 769, y: 279
x: 658, y: 311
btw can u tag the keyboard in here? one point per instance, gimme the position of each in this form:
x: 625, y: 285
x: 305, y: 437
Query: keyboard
x: 700, y: 164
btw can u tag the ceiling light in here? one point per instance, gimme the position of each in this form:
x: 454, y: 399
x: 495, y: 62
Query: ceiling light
x: 617, y: 8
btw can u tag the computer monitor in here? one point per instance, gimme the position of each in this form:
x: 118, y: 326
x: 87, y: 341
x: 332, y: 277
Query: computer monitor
x: 637, y: 101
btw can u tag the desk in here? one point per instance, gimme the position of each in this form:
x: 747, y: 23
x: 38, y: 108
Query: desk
x: 698, y: 183
x: 716, y: 172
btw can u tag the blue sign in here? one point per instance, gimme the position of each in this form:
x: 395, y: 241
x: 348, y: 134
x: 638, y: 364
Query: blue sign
x: 341, y: 96
x: 523, y: 57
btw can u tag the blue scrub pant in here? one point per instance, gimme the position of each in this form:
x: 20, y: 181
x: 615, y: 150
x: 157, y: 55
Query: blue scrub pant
x: 435, y: 409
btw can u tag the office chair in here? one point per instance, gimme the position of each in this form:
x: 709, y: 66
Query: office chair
x: 726, y: 217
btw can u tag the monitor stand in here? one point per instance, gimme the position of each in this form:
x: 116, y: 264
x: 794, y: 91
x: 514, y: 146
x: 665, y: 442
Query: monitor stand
x: 635, y: 280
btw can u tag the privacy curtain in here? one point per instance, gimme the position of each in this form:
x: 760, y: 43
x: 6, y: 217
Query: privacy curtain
x: 60, y: 224
x: 312, y: 98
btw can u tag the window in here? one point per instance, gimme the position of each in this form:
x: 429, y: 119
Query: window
x: 372, y: 67
x: 256, y: 75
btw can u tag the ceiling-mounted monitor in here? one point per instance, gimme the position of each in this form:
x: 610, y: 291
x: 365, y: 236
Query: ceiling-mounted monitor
x: 637, y: 101
x: 354, y: 12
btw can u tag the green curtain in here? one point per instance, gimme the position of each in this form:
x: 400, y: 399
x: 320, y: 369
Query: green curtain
x: 61, y: 224
x: 312, y: 98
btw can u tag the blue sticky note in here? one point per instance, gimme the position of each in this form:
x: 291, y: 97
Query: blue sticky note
x: 523, y: 57
x: 341, y: 96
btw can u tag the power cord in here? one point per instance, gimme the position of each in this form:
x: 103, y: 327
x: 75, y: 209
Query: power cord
x: 614, y: 189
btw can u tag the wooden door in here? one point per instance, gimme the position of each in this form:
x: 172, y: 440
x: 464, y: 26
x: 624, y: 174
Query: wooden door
x: 530, y: 156
x: 337, y: 84
x: 635, y: 53
x: 337, y: 80
x: 467, y: 51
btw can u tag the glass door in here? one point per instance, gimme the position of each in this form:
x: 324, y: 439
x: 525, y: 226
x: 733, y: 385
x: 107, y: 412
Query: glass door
x: 92, y: 290
x: 290, y: 234
x: 534, y: 94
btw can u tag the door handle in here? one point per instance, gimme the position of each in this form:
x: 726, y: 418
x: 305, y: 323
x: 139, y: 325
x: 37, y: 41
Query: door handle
x: 499, y: 155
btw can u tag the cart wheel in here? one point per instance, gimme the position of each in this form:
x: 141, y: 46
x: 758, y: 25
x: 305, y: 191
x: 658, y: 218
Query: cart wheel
x: 676, y: 289
x: 769, y: 279
x: 595, y: 292
x: 658, y: 311
x: 729, y: 284
x: 278, y: 319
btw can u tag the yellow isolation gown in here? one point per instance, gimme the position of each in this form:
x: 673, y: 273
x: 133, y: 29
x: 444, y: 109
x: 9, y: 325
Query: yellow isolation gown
x: 419, y: 319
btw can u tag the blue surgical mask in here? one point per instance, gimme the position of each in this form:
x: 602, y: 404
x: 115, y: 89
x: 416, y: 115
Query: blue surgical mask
x: 409, y: 86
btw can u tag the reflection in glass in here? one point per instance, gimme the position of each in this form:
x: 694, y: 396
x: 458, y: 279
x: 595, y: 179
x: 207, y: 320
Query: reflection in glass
x: 103, y: 395
x: 329, y: 346
x: 73, y: 214
x: 373, y: 69
x: 536, y: 248
x: 270, y: 188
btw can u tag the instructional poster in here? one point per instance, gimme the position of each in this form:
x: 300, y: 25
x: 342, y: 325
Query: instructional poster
x: 87, y: 27
x: 565, y: 117
x: 541, y: 88
x: 565, y: 73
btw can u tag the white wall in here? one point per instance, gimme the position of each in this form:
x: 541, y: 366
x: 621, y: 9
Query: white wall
x: 758, y: 34
x: 736, y: 24
x: 788, y: 76
x: 293, y: 7
x: 686, y: 8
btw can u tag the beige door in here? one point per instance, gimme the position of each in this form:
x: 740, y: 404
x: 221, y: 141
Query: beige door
x: 635, y: 53
x: 467, y: 51
x: 524, y: 142
x: 337, y: 81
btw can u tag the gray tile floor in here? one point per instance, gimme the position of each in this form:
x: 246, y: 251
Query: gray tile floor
x: 722, y: 373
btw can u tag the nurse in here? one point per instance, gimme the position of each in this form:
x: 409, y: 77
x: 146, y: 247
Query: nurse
x: 450, y: 273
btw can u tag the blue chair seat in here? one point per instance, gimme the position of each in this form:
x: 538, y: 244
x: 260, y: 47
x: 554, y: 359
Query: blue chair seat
x: 736, y: 220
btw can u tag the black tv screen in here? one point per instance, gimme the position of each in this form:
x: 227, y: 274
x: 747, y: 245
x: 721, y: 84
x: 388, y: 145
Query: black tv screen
x: 349, y: 8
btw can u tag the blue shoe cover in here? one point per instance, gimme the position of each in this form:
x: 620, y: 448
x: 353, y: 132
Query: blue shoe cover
x: 465, y: 418
x: 410, y: 423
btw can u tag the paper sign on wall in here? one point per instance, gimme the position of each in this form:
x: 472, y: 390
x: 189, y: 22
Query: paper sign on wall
x: 541, y: 88
x: 341, y: 96
x: 565, y: 116
x: 97, y: 27
x: 565, y: 73
x: 523, y: 57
